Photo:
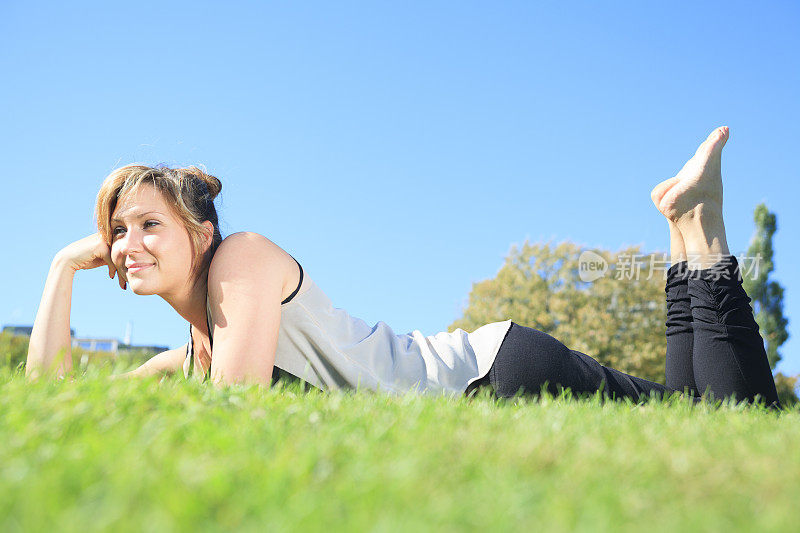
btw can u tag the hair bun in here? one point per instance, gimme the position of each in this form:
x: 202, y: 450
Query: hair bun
x: 212, y: 182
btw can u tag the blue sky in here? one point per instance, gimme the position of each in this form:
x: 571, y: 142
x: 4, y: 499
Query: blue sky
x: 397, y: 150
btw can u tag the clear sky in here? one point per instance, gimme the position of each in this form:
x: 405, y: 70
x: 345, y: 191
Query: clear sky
x: 397, y: 150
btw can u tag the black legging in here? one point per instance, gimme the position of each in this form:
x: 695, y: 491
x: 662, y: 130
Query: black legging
x: 713, y: 343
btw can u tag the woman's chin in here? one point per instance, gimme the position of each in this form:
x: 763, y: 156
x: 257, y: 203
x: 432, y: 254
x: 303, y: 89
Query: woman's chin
x: 139, y: 289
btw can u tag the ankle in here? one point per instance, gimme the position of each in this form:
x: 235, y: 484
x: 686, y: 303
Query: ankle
x: 677, y: 248
x: 703, y: 232
x: 708, y: 213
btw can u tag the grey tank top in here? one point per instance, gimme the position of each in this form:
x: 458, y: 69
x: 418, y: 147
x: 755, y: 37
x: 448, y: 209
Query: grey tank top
x: 330, y: 349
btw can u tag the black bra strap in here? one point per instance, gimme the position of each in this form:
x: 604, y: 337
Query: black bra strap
x: 289, y: 298
x: 190, y: 350
x: 190, y: 346
x: 210, y: 335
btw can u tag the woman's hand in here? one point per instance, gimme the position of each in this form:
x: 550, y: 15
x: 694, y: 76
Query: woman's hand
x: 91, y: 252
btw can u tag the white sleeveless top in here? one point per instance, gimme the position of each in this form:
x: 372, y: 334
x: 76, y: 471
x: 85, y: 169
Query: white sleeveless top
x: 330, y: 349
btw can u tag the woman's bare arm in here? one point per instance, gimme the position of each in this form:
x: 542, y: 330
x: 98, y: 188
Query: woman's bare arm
x: 167, y: 362
x: 245, y: 281
x: 50, y: 344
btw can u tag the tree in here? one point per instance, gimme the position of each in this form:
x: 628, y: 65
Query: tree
x: 786, y: 386
x: 619, y: 318
x: 766, y: 295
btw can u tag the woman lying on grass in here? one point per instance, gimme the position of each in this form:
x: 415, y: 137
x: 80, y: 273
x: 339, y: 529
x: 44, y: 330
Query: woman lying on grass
x: 251, y: 308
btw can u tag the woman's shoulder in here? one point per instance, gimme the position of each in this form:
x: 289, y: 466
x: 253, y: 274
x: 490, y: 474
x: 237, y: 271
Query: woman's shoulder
x: 250, y: 238
x: 244, y: 245
x: 248, y: 247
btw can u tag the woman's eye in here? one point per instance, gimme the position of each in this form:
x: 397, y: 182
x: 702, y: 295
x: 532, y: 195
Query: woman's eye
x: 115, y: 232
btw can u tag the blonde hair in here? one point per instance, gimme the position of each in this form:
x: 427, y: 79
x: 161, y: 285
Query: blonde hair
x: 189, y: 191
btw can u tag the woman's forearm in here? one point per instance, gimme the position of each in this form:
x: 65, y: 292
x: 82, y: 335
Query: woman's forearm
x: 50, y: 344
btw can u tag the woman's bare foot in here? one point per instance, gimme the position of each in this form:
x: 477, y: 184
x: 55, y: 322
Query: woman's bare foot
x: 699, y: 183
x: 692, y: 202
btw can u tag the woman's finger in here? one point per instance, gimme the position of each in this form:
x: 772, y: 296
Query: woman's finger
x: 112, y: 269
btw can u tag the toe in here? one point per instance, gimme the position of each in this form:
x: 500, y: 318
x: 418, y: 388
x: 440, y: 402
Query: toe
x: 715, y: 141
x: 718, y: 138
x: 724, y: 132
x: 717, y: 134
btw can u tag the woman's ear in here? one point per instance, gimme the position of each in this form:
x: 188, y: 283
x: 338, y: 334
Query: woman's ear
x: 209, y: 234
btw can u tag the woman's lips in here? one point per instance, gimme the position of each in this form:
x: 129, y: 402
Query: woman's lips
x: 138, y: 268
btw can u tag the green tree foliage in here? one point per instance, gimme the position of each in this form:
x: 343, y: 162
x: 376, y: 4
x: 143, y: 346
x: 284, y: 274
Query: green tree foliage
x: 619, y: 319
x: 766, y: 295
x: 786, y: 387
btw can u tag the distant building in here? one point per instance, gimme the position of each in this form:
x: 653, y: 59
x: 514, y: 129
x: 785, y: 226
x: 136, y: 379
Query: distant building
x: 26, y: 330
x: 89, y: 343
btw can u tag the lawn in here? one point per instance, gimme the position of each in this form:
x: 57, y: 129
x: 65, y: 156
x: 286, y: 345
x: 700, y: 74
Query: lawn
x: 172, y: 455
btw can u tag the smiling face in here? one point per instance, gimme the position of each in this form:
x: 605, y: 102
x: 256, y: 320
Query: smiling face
x: 147, y: 234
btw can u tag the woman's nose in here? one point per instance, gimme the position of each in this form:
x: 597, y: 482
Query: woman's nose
x: 131, y: 242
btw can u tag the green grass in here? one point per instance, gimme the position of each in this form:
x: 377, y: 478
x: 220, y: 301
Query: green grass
x: 100, y: 455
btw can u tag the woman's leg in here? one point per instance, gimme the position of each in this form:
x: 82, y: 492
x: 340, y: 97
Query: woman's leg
x: 680, y: 333
x: 729, y: 358
x: 529, y: 359
x: 728, y: 355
